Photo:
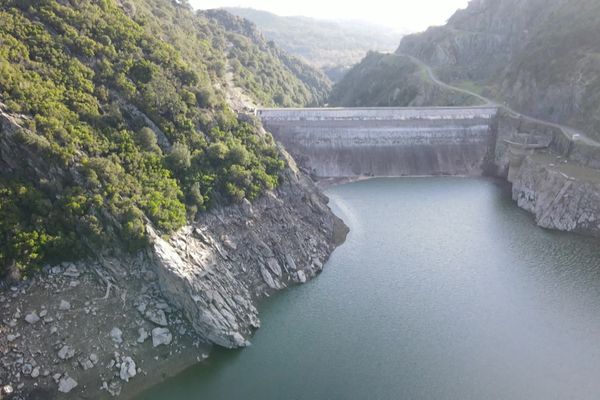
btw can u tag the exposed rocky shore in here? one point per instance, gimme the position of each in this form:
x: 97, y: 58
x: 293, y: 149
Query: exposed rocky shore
x: 561, y: 195
x: 554, y: 174
x: 114, y: 326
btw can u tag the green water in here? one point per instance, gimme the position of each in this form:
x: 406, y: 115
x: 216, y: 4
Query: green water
x: 443, y: 290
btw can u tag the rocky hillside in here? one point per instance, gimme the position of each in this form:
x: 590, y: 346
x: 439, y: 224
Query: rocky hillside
x: 332, y: 46
x: 541, y: 56
x: 478, y: 41
x: 390, y: 80
x: 113, y: 115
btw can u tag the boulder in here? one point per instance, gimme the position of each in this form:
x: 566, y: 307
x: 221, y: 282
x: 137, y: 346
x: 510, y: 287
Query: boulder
x: 64, y: 305
x: 161, y: 336
x: 86, y: 364
x: 143, y: 335
x: 156, y: 316
x: 32, y: 318
x: 128, y: 369
x: 66, y: 384
x: 66, y: 352
x: 27, y: 369
x: 116, y: 335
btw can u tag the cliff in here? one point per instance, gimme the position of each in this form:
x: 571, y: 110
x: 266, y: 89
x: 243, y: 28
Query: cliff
x: 117, y: 324
x: 560, y: 194
x: 217, y: 269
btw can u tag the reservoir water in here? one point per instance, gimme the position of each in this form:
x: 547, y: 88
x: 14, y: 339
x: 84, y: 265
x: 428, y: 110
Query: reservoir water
x: 443, y: 290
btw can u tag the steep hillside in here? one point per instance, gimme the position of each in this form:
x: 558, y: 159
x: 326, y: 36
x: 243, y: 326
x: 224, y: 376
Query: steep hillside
x: 389, y: 80
x: 332, y: 46
x: 263, y: 69
x: 541, y: 56
x: 113, y: 115
x: 480, y: 40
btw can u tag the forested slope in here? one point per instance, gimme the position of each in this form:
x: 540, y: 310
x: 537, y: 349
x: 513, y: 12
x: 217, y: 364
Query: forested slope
x: 112, y: 115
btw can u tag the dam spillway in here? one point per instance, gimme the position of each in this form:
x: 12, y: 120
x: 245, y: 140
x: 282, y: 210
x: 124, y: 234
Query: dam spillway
x: 347, y: 142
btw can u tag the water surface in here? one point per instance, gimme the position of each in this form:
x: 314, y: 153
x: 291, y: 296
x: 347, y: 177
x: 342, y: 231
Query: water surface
x: 443, y: 290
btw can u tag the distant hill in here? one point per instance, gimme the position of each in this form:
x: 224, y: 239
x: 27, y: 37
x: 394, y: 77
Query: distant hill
x: 264, y: 71
x: 332, y: 46
x: 391, y: 80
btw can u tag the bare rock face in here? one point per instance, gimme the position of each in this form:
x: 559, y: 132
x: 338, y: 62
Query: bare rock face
x: 560, y: 194
x: 216, y: 269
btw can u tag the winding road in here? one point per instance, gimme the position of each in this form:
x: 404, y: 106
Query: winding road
x: 571, y: 133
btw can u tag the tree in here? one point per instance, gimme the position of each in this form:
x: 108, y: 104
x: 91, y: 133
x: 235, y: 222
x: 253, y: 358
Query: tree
x: 146, y: 139
x: 180, y: 158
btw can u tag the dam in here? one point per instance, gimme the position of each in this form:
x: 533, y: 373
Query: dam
x: 554, y: 175
x: 345, y: 142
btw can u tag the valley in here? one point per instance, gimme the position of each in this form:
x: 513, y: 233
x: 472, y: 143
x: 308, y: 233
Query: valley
x: 178, y: 184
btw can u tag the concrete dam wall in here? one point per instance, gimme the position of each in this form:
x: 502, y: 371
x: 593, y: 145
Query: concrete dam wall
x: 348, y: 142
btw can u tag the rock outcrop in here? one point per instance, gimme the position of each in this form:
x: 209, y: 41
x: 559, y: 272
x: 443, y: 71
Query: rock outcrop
x: 216, y: 269
x: 129, y: 318
x: 560, y: 194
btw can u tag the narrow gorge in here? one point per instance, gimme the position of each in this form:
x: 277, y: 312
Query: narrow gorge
x: 171, y: 179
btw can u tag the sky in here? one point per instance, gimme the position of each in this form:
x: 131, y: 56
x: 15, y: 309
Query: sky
x: 402, y: 15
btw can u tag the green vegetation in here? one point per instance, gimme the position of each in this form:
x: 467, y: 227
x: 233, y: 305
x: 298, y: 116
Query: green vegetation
x: 329, y: 45
x: 112, y: 116
x: 390, y: 80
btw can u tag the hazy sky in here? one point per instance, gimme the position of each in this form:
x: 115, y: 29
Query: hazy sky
x: 413, y: 15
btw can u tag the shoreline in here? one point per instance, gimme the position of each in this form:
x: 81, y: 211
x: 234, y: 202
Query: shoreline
x: 326, y: 183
